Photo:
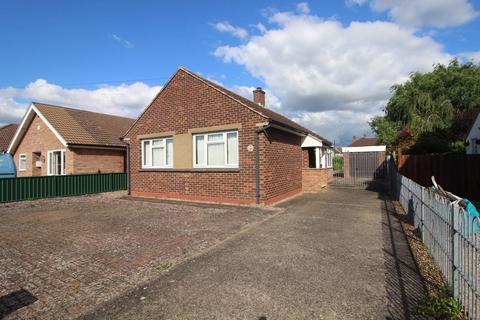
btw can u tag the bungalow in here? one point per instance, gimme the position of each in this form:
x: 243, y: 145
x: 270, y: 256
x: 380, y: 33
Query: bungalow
x: 199, y: 141
x: 6, y: 135
x: 54, y: 140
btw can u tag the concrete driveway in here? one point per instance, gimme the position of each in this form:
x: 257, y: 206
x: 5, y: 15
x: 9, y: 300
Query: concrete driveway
x: 340, y: 254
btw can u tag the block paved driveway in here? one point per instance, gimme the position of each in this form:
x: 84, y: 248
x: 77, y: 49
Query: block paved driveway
x: 339, y: 254
x: 61, y: 258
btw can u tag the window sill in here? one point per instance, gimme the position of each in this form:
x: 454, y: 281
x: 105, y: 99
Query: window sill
x: 191, y: 170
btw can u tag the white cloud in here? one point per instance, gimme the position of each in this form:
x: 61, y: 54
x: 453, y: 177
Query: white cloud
x: 418, y: 13
x: 303, y: 8
x: 124, y: 100
x: 225, y: 26
x: 471, y: 55
x: 271, y: 101
x: 339, y: 126
x: 127, y: 44
x: 316, y: 66
x: 261, y: 27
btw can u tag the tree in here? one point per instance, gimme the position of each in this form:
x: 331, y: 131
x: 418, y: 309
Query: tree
x: 422, y: 114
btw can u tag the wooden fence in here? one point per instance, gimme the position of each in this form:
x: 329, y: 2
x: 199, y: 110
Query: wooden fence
x: 30, y: 188
x: 457, y: 173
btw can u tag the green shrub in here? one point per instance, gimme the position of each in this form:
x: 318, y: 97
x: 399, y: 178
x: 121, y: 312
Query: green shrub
x: 444, y: 307
x: 337, y: 163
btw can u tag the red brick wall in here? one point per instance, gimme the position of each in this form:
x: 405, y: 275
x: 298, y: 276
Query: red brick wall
x: 187, y: 103
x: 282, y: 170
x: 39, y: 138
x: 314, y: 180
x: 305, y: 160
x: 98, y: 160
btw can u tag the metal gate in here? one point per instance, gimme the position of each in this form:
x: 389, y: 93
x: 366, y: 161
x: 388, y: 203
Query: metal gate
x: 358, y: 168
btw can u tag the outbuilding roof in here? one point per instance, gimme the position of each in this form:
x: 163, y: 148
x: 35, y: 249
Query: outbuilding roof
x: 364, y: 142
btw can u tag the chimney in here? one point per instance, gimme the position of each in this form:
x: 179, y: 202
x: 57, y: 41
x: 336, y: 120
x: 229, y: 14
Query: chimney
x: 365, y: 135
x: 354, y: 138
x: 259, y: 96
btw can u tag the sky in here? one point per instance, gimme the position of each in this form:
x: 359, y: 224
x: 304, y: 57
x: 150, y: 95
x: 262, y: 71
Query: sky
x: 327, y: 64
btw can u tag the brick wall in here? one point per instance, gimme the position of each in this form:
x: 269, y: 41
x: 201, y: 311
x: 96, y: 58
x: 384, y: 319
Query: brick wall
x: 98, y: 160
x: 39, y: 138
x: 314, y: 180
x: 282, y: 168
x: 187, y: 103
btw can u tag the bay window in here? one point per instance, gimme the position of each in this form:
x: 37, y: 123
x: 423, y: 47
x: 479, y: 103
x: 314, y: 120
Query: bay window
x: 56, y: 162
x: 216, y: 150
x: 157, y: 153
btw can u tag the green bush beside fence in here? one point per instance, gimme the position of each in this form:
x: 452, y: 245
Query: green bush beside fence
x: 338, y: 163
x: 30, y: 188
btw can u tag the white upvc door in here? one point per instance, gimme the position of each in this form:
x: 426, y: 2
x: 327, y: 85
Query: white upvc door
x: 56, y: 162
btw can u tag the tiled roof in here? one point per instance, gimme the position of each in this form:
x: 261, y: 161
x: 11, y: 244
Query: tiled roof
x: 6, y: 135
x: 267, y: 113
x: 79, y: 127
x: 364, y: 142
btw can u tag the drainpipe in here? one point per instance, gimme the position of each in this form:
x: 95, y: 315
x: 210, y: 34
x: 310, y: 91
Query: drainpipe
x: 257, y: 161
x: 129, y: 188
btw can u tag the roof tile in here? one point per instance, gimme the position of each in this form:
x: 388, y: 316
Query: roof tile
x: 80, y: 127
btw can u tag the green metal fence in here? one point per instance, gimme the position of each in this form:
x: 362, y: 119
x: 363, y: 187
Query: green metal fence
x: 30, y: 188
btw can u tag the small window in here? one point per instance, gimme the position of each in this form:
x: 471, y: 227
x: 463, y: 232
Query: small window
x: 22, y: 162
x: 216, y: 150
x: 56, y: 162
x: 157, y: 153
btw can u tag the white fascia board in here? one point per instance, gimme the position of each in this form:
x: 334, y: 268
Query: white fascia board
x: 22, y: 128
x: 364, y: 149
x: 18, y: 134
x: 310, y: 141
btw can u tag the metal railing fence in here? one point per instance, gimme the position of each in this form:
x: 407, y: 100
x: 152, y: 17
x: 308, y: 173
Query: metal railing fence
x: 449, y: 233
x: 30, y: 188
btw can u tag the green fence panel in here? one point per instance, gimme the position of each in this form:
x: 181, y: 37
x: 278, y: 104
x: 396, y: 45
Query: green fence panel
x: 29, y: 188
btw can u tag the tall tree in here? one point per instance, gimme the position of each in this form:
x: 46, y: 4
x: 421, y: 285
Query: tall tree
x: 422, y: 112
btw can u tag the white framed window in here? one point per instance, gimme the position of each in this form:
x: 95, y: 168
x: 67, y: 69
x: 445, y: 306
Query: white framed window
x: 56, y: 163
x: 22, y: 162
x: 157, y: 153
x: 215, y: 150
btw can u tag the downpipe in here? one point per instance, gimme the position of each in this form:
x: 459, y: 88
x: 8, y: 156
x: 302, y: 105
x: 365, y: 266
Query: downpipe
x: 257, y: 161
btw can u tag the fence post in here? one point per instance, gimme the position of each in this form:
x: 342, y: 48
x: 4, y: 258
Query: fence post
x: 422, y: 213
x: 455, y: 252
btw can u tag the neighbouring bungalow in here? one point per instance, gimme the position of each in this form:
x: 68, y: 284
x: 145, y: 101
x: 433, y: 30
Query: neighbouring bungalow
x: 198, y: 141
x: 53, y: 140
x: 6, y: 135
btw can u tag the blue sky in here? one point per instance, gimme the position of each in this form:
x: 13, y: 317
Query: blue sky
x: 327, y: 64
